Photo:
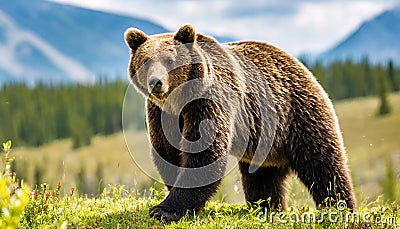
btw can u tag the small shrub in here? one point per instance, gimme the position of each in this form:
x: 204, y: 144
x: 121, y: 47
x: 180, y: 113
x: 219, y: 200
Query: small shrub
x: 13, y: 198
x: 42, y: 200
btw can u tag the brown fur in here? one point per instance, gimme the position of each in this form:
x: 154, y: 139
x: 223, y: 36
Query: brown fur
x: 307, y: 139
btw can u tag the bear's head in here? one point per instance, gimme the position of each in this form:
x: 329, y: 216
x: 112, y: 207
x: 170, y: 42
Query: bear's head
x: 160, y: 63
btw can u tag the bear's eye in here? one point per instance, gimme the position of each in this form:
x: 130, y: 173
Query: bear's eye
x: 170, y: 62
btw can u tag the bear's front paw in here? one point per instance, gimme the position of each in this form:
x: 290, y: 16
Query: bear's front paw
x: 161, y: 212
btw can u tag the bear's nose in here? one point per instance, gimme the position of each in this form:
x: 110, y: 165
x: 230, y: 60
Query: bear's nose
x: 155, y: 84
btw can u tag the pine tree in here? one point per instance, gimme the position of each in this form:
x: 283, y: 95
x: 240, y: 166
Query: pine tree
x: 384, y: 106
x: 368, y: 77
x: 319, y: 72
x: 81, y: 132
x: 394, y: 82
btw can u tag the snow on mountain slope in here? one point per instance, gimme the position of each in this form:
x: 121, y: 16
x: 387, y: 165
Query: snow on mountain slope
x: 23, y: 53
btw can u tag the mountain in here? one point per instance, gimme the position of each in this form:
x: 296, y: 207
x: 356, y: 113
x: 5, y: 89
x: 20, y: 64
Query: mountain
x: 42, y: 40
x: 52, y: 42
x: 378, y: 39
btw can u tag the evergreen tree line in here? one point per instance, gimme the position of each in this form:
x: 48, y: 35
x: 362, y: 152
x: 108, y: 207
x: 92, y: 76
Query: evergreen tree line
x: 37, y: 115
x: 34, y: 116
x: 343, y: 80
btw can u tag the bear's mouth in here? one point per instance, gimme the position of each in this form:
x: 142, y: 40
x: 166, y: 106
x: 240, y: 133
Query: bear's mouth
x: 157, y: 92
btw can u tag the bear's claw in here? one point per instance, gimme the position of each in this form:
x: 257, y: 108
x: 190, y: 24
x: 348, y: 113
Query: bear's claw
x: 159, y: 213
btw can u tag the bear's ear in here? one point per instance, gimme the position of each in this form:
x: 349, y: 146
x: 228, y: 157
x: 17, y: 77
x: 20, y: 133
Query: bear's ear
x: 185, y: 34
x: 134, y: 38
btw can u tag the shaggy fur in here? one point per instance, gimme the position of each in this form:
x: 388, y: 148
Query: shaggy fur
x: 306, y: 139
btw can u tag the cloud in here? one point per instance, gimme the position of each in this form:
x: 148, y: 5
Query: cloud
x: 330, y: 22
x: 237, y: 9
x: 295, y: 26
x: 16, y: 36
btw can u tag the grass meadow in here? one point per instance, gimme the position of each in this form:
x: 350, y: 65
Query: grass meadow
x: 371, y: 141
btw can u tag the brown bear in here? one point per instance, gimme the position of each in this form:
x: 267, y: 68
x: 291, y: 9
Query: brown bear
x: 249, y: 99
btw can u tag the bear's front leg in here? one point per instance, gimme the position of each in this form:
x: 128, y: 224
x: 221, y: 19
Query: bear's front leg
x: 165, y: 156
x: 201, y: 171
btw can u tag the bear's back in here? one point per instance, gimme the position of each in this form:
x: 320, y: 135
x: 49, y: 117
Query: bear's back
x: 268, y: 57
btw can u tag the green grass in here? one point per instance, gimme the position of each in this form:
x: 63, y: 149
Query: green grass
x: 370, y: 141
x: 122, y: 209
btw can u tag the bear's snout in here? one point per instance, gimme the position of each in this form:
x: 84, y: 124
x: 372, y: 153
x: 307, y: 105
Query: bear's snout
x: 156, y: 85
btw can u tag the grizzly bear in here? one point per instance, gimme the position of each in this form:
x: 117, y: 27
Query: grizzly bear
x: 205, y: 100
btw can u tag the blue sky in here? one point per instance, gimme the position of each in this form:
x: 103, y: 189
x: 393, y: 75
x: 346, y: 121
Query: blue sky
x: 295, y: 26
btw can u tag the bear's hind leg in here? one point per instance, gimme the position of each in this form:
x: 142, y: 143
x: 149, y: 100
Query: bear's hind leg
x: 264, y: 183
x: 326, y: 177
